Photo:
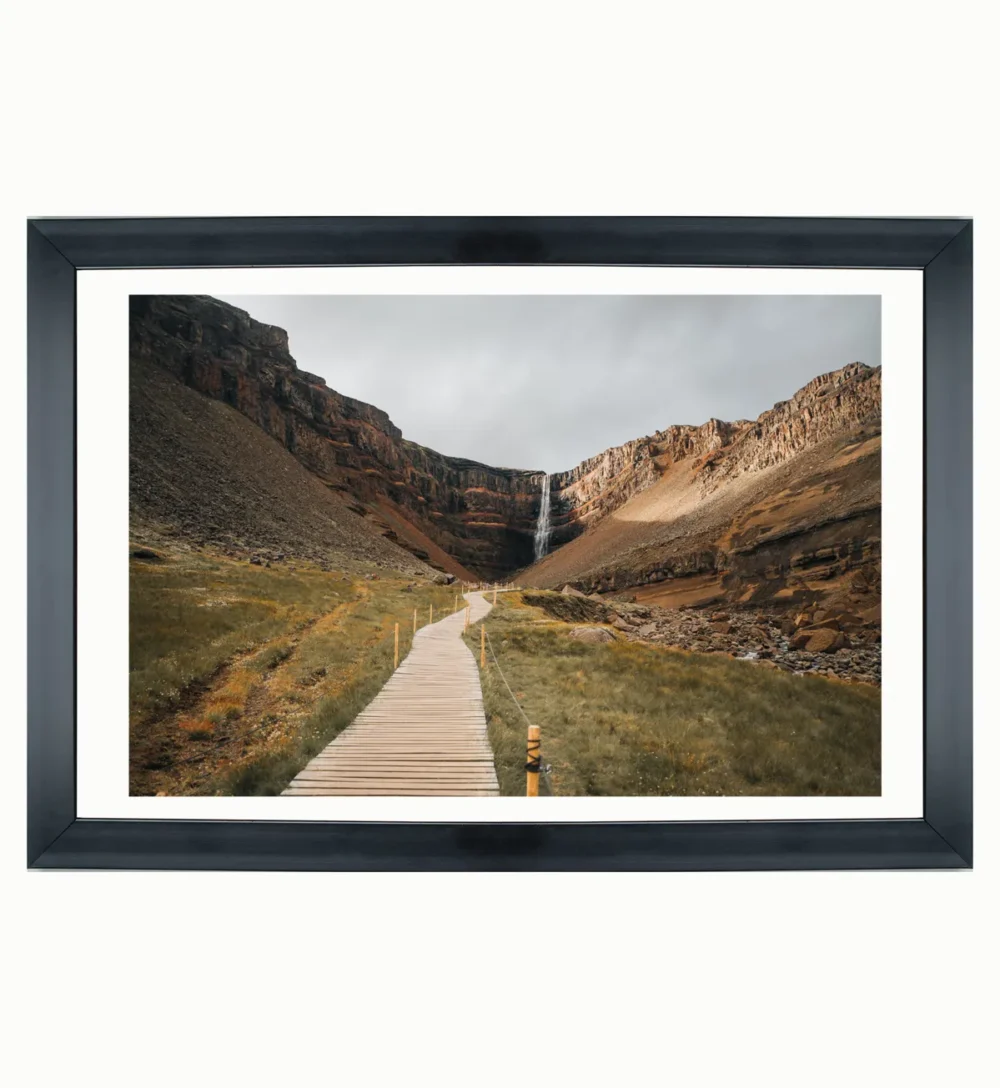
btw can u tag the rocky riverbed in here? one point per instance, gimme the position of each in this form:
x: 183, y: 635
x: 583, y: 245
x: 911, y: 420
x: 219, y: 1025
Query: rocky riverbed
x: 846, y: 646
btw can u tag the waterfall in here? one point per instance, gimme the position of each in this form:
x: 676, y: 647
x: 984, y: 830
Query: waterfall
x: 543, y: 528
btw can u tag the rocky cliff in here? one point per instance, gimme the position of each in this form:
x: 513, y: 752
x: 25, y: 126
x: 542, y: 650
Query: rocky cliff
x: 830, y: 404
x: 780, y: 509
x: 483, y: 517
x: 667, y: 505
x: 598, y: 486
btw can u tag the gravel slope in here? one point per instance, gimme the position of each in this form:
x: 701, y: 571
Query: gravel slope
x: 202, y: 473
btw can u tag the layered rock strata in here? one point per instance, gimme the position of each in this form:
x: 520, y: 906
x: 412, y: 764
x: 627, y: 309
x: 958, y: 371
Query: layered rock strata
x: 793, y: 493
x: 482, y: 516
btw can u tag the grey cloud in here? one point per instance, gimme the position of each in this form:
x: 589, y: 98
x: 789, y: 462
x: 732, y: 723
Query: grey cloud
x: 542, y: 382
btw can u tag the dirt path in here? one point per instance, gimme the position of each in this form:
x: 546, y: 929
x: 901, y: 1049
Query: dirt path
x: 167, y: 759
x: 424, y: 734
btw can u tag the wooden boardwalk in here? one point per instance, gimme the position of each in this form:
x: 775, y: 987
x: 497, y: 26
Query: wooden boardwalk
x: 423, y: 735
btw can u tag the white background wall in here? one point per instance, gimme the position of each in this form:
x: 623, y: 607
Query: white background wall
x: 522, y: 108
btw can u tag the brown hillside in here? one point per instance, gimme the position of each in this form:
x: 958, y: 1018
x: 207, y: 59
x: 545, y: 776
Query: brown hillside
x: 201, y: 473
x: 437, y: 506
x: 779, y: 510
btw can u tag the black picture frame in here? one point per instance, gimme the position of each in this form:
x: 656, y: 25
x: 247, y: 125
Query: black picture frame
x: 941, y: 248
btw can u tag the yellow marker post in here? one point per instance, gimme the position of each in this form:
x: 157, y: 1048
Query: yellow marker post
x: 456, y: 602
x: 482, y: 646
x: 468, y: 609
x: 534, y: 764
x: 494, y: 595
x: 431, y: 620
x: 395, y: 653
x: 414, y: 621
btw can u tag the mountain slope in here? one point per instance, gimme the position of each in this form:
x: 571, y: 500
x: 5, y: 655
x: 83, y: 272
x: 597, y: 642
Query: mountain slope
x: 780, y: 509
x: 437, y: 506
x: 203, y: 474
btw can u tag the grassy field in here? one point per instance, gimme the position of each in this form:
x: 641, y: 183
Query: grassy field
x: 239, y: 674
x: 631, y: 719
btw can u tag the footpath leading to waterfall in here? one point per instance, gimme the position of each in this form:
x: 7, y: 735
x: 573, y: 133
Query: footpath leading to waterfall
x: 424, y: 734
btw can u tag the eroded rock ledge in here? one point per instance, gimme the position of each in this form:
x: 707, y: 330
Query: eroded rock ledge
x: 482, y: 515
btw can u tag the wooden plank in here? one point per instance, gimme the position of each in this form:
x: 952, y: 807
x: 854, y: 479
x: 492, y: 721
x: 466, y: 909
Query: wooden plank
x: 322, y: 791
x: 329, y: 773
x: 398, y: 783
x: 381, y: 759
x: 388, y: 759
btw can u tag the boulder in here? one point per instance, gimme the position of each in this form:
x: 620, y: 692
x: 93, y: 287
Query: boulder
x: 146, y: 554
x: 620, y: 624
x: 723, y: 627
x: 872, y: 615
x: 824, y: 640
x: 592, y: 634
x: 831, y: 623
x: 647, y: 630
x: 571, y: 608
x: 569, y: 591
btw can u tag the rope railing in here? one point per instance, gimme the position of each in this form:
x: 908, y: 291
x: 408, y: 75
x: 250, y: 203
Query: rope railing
x: 489, y: 642
x: 534, y: 766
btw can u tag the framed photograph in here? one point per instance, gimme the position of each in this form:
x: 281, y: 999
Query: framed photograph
x: 500, y: 543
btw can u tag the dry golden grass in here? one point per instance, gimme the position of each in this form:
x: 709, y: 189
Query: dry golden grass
x: 239, y: 672
x: 631, y: 719
x: 192, y: 613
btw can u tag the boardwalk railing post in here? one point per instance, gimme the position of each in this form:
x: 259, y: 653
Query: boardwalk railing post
x: 456, y: 603
x: 468, y: 609
x: 395, y: 652
x: 494, y: 595
x: 414, y: 621
x: 534, y: 763
x: 431, y: 620
x: 482, y: 646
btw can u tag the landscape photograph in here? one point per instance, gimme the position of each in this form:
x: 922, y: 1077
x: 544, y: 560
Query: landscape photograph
x: 505, y: 546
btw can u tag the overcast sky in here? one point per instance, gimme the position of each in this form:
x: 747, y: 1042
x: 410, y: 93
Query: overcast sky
x: 543, y: 382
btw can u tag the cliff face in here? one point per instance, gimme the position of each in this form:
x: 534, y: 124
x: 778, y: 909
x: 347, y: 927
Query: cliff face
x: 830, y: 404
x: 482, y: 516
x: 480, y: 520
x: 601, y: 484
x: 781, y: 509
